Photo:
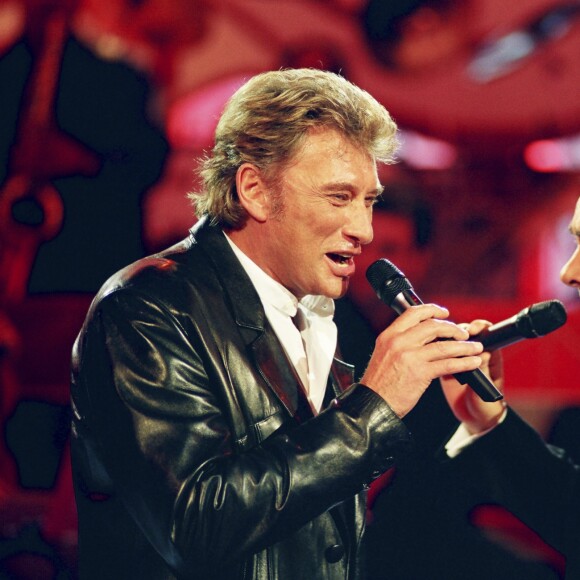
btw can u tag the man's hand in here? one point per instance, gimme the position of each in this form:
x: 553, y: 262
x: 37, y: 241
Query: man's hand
x: 408, y: 355
x: 477, y: 415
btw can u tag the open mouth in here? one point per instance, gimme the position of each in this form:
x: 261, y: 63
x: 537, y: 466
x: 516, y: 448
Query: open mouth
x: 341, y: 259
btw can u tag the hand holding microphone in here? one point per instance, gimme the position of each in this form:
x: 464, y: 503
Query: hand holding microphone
x: 415, y: 349
x: 531, y: 322
x: 396, y: 291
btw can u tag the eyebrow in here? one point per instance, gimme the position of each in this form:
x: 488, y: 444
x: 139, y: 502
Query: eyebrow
x: 341, y: 186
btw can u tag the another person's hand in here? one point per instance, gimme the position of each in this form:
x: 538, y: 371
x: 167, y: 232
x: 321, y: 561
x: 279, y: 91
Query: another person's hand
x: 477, y: 415
x: 408, y: 355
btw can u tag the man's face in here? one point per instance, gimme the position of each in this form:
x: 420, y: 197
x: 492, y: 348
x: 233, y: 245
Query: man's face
x: 327, y: 192
x: 570, y: 273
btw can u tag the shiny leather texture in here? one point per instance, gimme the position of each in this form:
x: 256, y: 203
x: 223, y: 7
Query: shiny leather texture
x: 194, y: 455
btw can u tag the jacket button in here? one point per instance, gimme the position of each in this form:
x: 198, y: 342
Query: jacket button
x: 334, y: 553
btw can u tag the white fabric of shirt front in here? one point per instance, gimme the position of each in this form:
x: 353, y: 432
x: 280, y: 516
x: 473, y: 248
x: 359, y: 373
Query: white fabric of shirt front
x: 311, y: 350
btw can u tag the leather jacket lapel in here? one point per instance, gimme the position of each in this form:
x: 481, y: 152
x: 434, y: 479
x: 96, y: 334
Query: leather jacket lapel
x: 342, y: 375
x: 280, y: 375
x: 269, y: 355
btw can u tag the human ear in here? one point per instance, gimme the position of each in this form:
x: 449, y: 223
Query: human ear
x: 252, y: 192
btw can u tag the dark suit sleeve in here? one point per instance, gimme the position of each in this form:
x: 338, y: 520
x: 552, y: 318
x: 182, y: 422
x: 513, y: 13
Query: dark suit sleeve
x: 162, y: 431
x: 513, y: 467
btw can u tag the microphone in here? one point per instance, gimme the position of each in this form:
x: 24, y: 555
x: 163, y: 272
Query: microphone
x: 535, y: 320
x: 396, y: 291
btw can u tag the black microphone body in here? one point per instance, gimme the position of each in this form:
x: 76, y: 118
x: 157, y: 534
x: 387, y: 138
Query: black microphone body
x: 396, y: 291
x: 531, y: 322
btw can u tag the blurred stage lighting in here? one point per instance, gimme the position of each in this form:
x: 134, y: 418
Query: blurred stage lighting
x: 192, y: 119
x: 553, y: 155
x: 426, y: 153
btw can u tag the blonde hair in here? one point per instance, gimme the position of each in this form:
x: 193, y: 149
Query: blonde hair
x: 266, y: 121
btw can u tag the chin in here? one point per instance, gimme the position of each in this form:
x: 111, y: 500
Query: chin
x: 336, y: 290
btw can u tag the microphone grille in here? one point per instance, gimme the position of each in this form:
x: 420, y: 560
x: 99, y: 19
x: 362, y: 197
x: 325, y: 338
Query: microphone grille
x: 546, y: 317
x: 387, y: 280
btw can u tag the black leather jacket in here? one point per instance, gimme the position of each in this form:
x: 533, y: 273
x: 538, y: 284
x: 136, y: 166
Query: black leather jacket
x: 193, y: 453
x: 513, y: 466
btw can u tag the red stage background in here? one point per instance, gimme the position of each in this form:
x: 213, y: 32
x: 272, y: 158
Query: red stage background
x: 107, y: 104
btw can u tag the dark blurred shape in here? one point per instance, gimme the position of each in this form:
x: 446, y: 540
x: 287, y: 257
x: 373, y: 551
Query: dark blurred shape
x: 408, y: 201
x: 503, y: 528
x: 36, y: 433
x: 382, y: 20
x: 78, y: 151
x: 31, y: 210
x: 412, y: 35
x: 28, y: 556
x: 28, y: 212
x: 105, y: 105
x: 565, y: 432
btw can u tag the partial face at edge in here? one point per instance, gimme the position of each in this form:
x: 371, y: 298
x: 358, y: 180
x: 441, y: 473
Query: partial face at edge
x: 570, y: 273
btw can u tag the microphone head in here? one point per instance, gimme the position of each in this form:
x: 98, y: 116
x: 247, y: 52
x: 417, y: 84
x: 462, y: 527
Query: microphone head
x: 541, y: 318
x: 387, y: 280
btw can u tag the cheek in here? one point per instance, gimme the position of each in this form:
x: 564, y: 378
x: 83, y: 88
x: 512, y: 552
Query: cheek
x: 298, y: 248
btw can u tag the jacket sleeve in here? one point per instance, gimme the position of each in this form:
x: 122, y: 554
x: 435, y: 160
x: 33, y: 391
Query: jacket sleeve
x: 512, y: 466
x: 161, y: 430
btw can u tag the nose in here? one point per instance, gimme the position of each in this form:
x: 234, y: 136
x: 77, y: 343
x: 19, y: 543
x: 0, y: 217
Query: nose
x: 359, y: 225
x: 570, y: 272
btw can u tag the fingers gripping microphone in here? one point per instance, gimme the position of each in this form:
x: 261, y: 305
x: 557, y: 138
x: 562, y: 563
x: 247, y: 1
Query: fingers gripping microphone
x: 533, y: 321
x: 396, y: 291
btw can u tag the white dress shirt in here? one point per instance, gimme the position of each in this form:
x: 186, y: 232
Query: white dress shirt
x: 310, y: 349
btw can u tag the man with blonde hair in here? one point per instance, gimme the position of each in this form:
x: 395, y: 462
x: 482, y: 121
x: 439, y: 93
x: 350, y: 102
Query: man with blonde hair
x: 215, y: 432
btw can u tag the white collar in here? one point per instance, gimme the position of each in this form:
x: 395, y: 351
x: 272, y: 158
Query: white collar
x: 275, y: 294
